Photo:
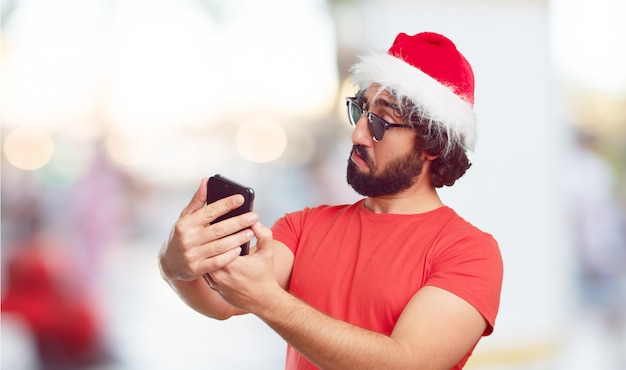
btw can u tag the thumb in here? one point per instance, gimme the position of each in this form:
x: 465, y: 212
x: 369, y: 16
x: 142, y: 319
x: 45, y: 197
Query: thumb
x: 263, y: 235
x: 198, y: 200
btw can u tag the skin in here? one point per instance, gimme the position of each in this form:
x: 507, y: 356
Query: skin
x: 435, y: 330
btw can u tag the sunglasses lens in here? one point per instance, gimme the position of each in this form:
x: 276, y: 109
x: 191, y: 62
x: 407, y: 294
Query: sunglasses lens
x: 375, y: 124
x: 377, y: 127
x: 354, y: 112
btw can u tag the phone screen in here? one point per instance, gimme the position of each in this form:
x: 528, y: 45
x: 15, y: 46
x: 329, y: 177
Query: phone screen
x: 220, y: 187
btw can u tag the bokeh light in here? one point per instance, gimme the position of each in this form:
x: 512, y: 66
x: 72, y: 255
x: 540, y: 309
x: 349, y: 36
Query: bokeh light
x: 129, y: 150
x: 261, y: 140
x: 28, y: 148
x: 64, y: 168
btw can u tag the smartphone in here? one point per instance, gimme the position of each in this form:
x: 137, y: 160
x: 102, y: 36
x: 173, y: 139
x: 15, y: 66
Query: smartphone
x: 220, y: 187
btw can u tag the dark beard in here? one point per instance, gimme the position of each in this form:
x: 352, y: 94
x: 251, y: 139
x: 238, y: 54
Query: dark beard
x: 398, y: 175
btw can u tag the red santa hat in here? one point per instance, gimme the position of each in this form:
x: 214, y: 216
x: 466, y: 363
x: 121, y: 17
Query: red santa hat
x: 428, y: 70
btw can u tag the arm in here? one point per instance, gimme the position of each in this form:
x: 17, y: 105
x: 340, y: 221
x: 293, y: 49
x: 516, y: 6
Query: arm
x: 195, y: 248
x: 435, y: 330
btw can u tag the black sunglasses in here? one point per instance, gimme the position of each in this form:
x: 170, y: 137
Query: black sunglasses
x: 376, y: 125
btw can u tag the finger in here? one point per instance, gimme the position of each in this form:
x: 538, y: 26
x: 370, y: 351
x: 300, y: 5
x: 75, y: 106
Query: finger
x: 225, y: 244
x: 219, y: 261
x: 261, y: 232
x: 198, y: 200
x: 209, y: 279
x: 263, y: 235
x: 200, y: 217
x: 218, y: 208
x: 230, y: 225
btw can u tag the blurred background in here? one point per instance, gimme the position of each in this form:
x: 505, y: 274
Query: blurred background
x: 112, y: 112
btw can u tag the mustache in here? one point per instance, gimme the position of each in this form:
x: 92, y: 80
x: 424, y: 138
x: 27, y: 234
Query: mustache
x: 361, y: 152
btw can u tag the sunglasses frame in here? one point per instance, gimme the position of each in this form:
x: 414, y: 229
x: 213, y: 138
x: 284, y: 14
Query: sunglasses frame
x: 371, y: 118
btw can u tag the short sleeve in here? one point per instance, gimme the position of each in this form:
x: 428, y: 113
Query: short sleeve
x: 472, y: 269
x: 288, y: 229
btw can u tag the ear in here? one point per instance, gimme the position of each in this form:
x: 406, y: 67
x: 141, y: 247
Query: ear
x: 430, y: 157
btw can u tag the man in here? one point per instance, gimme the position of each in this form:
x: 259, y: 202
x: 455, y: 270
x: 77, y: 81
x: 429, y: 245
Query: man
x: 395, y: 281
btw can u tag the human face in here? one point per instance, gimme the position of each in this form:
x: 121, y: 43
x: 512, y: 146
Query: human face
x: 387, y: 167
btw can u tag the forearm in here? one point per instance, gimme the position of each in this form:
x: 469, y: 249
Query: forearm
x: 330, y: 343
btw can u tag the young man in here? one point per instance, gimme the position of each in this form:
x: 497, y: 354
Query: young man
x: 395, y: 281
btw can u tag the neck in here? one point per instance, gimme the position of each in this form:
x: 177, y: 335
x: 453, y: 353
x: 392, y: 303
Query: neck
x: 416, y: 199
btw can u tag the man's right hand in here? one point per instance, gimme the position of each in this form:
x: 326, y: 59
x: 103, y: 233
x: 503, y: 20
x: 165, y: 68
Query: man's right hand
x: 195, y: 247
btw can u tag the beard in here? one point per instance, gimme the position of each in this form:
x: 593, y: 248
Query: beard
x: 398, y: 175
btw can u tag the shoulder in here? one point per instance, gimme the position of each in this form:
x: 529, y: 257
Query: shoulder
x: 458, y: 227
x: 460, y: 246
x: 292, y: 226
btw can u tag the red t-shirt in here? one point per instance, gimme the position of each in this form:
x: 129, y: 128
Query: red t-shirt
x: 363, y: 268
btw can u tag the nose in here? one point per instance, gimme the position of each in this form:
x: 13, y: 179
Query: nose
x: 361, y: 134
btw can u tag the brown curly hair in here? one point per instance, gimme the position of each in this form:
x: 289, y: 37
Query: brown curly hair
x: 451, y: 160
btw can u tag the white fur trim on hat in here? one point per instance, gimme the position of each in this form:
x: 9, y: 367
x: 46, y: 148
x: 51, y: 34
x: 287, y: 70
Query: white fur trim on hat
x: 440, y: 104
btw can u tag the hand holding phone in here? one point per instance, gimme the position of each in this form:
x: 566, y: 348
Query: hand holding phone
x: 220, y: 187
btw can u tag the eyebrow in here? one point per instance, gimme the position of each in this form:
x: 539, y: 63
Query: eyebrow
x: 387, y: 104
x: 384, y: 103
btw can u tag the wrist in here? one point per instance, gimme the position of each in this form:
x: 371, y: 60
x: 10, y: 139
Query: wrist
x: 163, y: 269
x: 273, y: 303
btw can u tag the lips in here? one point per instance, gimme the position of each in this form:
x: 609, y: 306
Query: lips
x: 359, y: 156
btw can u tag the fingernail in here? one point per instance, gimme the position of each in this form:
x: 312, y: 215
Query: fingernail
x: 253, y: 218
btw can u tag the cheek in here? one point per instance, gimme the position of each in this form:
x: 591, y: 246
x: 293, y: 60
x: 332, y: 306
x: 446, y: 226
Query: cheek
x: 382, y: 158
x: 397, y: 146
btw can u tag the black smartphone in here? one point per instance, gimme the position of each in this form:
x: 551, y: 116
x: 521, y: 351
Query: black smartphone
x: 220, y: 187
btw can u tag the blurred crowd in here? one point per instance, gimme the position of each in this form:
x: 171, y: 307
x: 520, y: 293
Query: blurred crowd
x: 54, y: 244
x: 598, y: 223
